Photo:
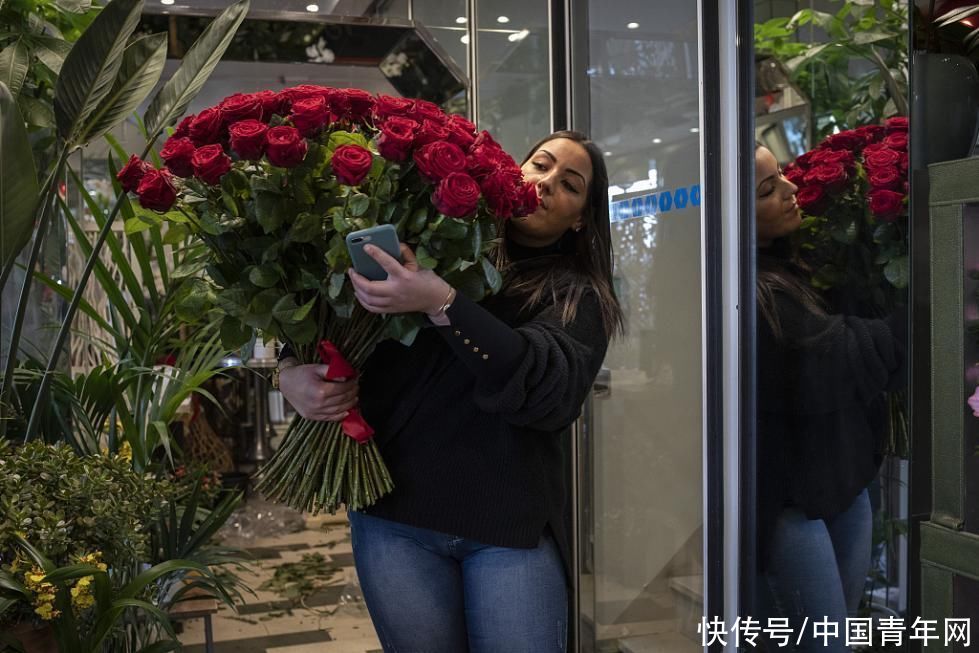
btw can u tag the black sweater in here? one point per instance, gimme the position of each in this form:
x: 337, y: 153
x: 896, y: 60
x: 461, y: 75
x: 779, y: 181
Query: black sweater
x: 821, y: 408
x: 473, y: 420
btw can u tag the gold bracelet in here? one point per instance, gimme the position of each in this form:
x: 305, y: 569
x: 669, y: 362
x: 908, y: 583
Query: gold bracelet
x: 446, y: 304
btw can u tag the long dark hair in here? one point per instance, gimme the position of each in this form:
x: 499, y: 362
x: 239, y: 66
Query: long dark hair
x: 585, y: 260
x: 781, y: 270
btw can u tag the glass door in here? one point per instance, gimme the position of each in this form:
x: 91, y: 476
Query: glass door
x: 640, y: 442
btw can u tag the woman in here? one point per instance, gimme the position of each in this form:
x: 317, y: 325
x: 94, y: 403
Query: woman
x: 821, y: 380
x: 471, y: 550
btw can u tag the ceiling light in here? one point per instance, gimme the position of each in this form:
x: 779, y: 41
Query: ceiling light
x: 461, y: 20
x: 166, y: 2
x: 465, y: 39
x: 633, y: 25
x: 502, y: 19
x: 312, y: 8
x: 608, y: 154
x: 694, y: 130
x: 518, y: 36
x: 657, y: 141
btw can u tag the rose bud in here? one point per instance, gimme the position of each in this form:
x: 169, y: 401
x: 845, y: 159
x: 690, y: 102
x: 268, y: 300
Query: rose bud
x: 132, y: 173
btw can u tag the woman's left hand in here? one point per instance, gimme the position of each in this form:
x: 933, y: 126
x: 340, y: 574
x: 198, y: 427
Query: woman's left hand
x: 408, y: 288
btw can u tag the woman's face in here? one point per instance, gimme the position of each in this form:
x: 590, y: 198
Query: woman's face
x: 776, y: 211
x: 561, y: 171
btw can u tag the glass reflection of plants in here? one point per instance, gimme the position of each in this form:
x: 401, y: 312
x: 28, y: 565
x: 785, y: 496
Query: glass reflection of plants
x: 857, y: 73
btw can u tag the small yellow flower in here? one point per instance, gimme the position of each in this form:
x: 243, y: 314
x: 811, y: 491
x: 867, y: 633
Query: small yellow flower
x: 47, y: 612
x: 35, y: 577
x: 126, y: 452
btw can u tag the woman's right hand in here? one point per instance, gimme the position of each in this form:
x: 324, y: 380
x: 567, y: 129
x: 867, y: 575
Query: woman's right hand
x: 315, y: 398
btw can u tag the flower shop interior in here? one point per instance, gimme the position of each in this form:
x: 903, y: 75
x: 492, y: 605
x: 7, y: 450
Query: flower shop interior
x: 139, y: 406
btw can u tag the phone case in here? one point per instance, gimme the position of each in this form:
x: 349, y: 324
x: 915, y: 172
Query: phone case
x: 384, y: 236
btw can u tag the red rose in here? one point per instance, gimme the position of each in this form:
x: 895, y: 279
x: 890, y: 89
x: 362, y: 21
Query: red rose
x: 156, y: 190
x: 503, y: 194
x: 272, y: 103
x: 210, y: 163
x: 183, y: 129
x: 429, y: 132
x: 422, y: 110
x: 812, y: 199
x: 529, y: 199
x: 356, y: 103
x: 286, y: 147
x: 897, y: 141
x: 396, y: 138
x: 303, y: 91
x: 386, y: 106
x: 805, y: 160
x: 883, y: 157
x: 240, y: 106
x: 460, y: 132
x: 132, y: 173
x: 248, y: 138
x: 871, y: 133
x: 457, y: 195
x: 847, y: 140
x: 886, y: 205
x: 843, y: 157
x: 206, y: 127
x: 177, y: 153
x: 889, y: 178
x: 309, y: 114
x: 486, y: 155
x: 351, y: 163
x: 896, y: 124
x: 436, y: 160
x: 831, y: 175
x: 795, y: 174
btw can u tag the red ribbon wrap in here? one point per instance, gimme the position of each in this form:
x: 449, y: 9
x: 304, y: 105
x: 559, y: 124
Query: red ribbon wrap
x: 354, y: 424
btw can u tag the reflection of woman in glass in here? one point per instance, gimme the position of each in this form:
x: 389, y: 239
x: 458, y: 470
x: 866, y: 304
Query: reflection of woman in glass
x: 470, y: 552
x: 821, y: 379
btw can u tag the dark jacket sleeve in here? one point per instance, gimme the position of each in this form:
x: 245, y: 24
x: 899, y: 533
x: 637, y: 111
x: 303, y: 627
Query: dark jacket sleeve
x: 822, y: 363
x: 536, y: 375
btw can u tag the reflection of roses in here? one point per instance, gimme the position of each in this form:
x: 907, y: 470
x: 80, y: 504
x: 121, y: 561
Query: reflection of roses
x: 888, y: 178
x: 832, y: 175
x: 248, y: 138
x: 843, y: 141
x: 886, y: 205
x: 897, y: 141
x: 457, y: 195
x: 177, y: 153
x: 286, y: 147
x: 843, y: 157
x: 881, y: 158
x: 210, y: 163
x: 132, y: 173
x: 156, y: 190
x: 974, y: 402
x: 351, y: 163
x: 870, y: 133
x: 396, y: 138
x: 436, y: 160
x: 811, y: 199
x: 795, y: 174
x: 896, y: 124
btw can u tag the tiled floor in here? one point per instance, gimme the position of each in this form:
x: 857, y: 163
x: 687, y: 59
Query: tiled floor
x: 329, y: 622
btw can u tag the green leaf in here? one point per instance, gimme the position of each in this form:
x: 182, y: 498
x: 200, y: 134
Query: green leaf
x: 339, y: 138
x: 359, y: 203
x: 845, y: 233
x: 35, y: 112
x: 897, y: 271
x: 15, y: 59
x: 176, y: 233
x: 425, y: 260
x: 234, y: 334
x: 51, y: 51
x: 142, y: 64
x: 418, y: 221
x: 268, y: 211
x: 18, y: 180
x: 91, y: 67
x: 453, y: 229
x: 285, y: 309
x: 492, y: 275
x: 198, y: 64
x: 304, y: 332
x: 264, y: 276
x: 141, y: 222
x: 74, y: 6
x: 306, y: 228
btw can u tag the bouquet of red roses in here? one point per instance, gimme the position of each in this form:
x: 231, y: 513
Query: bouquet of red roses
x: 853, y: 192
x: 271, y: 183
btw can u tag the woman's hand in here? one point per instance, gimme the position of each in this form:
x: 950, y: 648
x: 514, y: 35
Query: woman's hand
x: 408, y: 288
x: 315, y: 398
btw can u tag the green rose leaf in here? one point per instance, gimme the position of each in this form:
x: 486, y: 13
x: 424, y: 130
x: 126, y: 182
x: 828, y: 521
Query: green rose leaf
x: 176, y: 233
x: 339, y: 138
x: 359, y: 203
x: 453, y: 229
x: 268, y: 211
x: 418, y: 221
x: 307, y: 228
x: 425, y: 260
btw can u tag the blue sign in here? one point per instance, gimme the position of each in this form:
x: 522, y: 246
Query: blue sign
x: 655, y: 203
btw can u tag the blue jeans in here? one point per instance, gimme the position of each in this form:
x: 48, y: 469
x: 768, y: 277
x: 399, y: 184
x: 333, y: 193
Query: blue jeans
x: 428, y: 592
x: 817, y: 570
